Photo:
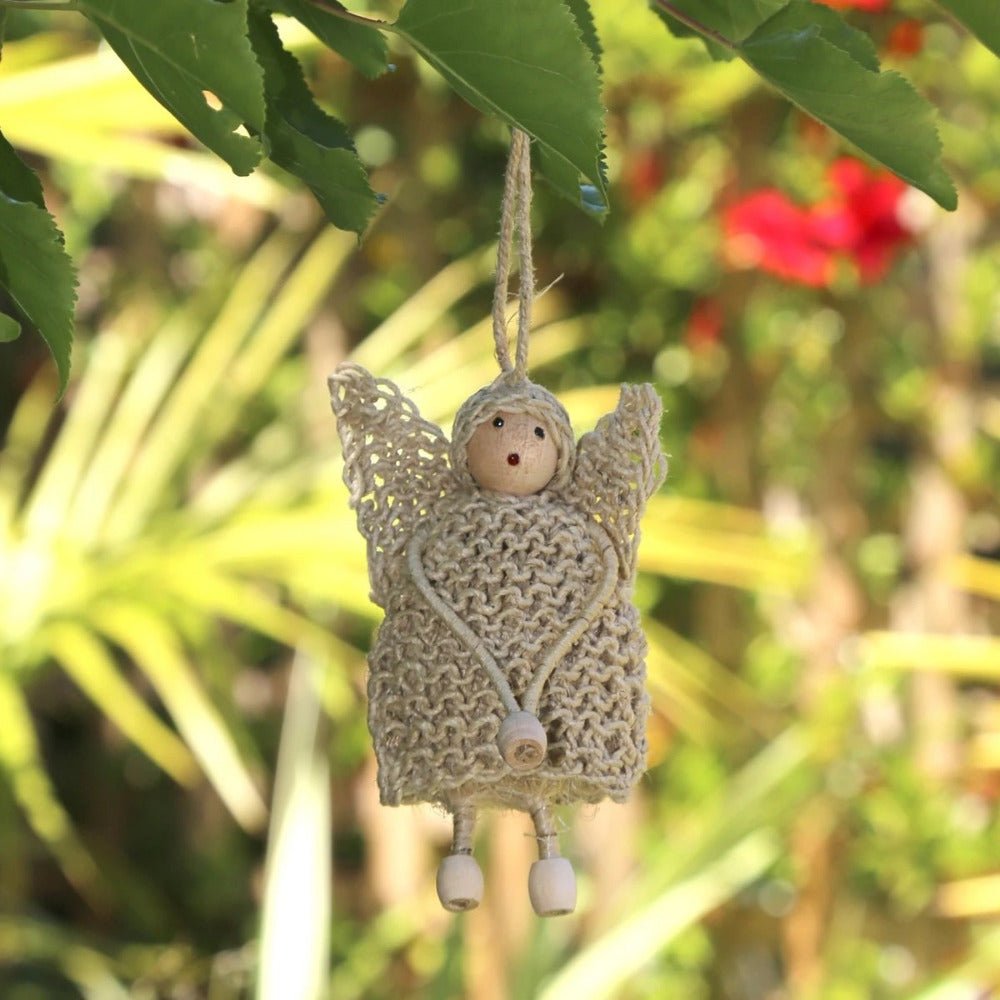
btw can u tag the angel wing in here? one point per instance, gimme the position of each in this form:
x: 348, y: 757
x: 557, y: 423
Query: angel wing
x: 619, y: 465
x: 395, y: 465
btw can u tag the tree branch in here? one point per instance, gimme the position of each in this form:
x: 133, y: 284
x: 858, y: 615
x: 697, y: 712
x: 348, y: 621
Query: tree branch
x: 703, y: 29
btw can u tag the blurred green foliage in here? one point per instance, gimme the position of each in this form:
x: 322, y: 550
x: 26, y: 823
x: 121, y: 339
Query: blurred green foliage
x: 180, y: 573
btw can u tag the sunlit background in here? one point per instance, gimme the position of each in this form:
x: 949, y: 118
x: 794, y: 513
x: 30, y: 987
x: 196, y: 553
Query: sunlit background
x: 188, y: 806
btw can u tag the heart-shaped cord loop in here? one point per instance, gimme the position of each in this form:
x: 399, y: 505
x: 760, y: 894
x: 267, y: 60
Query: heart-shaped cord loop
x: 596, y: 600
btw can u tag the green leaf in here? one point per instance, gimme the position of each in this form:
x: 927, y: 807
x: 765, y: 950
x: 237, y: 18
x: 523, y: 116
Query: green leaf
x: 831, y: 71
x: 827, y: 72
x: 566, y: 180
x: 563, y: 176
x: 732, y: 19
x: 364, y: 47
x: 981, y: 17
x: 38, y: 275
x: 10, y: 329
x: 306, y: 141
x: 192, y: 55
x: 812, y: 18
x: 580, y: 9
x: 522, y: 61
x: 17, y: 179
x: 735, y: 20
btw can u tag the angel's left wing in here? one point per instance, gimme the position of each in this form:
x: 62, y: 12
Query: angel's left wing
x: 395, y: 465
x: 619, y: 465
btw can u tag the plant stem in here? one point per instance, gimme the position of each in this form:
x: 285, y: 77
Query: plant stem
x: 345, y: 15
x: 703, y: 29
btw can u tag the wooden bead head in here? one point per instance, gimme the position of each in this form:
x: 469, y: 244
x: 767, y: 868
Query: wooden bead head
x: 512, y: 453
x: 513, y: 459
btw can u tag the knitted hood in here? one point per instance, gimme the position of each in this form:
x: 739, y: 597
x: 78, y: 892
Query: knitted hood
x: 515, y: 394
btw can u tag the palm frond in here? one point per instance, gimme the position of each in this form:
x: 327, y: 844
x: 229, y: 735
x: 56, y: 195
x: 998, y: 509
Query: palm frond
x: 23, y: 767
x: 159, y: 653
x: 296, y: 909
x: 90, y: 664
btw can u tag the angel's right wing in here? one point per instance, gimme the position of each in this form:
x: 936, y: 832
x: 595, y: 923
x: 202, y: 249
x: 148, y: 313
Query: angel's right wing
x: 395, y: 465
x: 619, y: 465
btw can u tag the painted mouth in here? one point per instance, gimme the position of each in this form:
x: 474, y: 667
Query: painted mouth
x: 513, y: 458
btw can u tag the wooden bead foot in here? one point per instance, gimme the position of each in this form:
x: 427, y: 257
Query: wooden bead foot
x: 459, y: 883
x: 552, y: 887
x: 522, y: 741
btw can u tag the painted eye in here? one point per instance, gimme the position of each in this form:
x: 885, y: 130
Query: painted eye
x: 498, y: 421
x: 539, y: 432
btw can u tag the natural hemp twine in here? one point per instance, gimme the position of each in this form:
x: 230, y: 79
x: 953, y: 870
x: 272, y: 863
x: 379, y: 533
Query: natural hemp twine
x: 509, y: 669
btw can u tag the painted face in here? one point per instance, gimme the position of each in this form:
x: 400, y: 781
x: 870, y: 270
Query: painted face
x: 512, y: 453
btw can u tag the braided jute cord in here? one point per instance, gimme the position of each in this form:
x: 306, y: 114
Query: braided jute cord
x: 465, y: 824
x: 515, y: 213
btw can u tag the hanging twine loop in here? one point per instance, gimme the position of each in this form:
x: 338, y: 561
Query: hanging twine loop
x: 515, y: 216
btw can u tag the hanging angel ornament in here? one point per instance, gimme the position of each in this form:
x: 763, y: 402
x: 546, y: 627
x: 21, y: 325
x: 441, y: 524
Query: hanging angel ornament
x: 508, y: 671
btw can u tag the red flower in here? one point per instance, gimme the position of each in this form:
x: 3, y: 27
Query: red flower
x: 873, y: 6
x: 859, y: 221
x: 906, y: 38
x: 865, y: 210
x: 769, y: 231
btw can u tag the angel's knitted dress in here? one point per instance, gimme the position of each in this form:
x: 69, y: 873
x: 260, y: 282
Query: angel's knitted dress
x: 519, y: 572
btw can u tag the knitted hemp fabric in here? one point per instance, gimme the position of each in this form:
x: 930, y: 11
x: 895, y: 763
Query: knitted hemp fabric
x: 497, y: 603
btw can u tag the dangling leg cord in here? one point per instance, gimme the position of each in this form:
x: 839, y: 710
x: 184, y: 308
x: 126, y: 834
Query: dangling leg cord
x: 459, y: 878
x: 545, y: 832
x: 551, y: 882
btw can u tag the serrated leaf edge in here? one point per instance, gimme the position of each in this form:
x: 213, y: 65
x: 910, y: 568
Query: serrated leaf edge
x: 183, y: 70
x: 949, y: 203
x: 600, y: 158
x: 818, y: 35
x: 349, y: 149
x: 428, y: 56
x: 55, y: 237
